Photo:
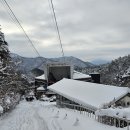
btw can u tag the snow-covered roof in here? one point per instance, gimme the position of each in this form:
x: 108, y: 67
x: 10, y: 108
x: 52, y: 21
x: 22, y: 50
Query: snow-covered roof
x: 88, y: 94
x: 115, y: 112
x: 42, y: 77
x: 78, y: 75
x: 127, y: 74
x: 41, y: 88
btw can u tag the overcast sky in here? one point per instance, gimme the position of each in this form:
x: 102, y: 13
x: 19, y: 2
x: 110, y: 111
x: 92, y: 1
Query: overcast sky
x: 90, y: 29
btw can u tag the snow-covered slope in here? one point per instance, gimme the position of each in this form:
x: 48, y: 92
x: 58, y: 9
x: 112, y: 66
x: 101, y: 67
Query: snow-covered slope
x: 27, y: 64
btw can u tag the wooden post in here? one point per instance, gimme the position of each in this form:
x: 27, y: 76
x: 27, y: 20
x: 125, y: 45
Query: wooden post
x: 119, y: 122
x: 80, y: 109
x: 127, y: 125
x: 123, y: 123
x: 114, y: 122
x: 99, y: 119
x: 74, y: 108
x: 92, y: 114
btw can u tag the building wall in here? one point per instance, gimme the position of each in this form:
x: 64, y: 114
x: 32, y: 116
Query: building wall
x: 95, y: 78
x: 59, y: 72
x: 124, y: 102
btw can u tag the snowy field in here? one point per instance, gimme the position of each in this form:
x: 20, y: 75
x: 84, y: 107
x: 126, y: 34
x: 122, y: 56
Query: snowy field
x: 39, y: 115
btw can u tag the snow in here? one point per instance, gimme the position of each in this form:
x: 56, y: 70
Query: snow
x: 46, y: 116
x: 8, y: 100
x: 115, y: 112
x: 42, y: 77
x: 127, y: 74
x: 44, y: 98
x: 88, y: 94
x: 78, y: 75
x: 31, y: 93
x: 1, y: 109
x: 41, y: 88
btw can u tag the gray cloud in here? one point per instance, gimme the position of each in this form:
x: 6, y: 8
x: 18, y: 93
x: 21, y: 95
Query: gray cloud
x: 90, y: 29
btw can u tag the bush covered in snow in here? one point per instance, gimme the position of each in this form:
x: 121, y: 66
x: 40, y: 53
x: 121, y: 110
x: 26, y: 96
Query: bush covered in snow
x: 1, y: 109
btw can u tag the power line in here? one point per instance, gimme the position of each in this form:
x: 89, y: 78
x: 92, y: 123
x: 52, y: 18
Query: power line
x: 57, y: 28
x: 52, y: 16
x: 16, y: 21
x: 21, y: 27
x: 11, y: 17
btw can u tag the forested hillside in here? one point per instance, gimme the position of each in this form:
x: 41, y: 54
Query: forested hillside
x: 116, y: 73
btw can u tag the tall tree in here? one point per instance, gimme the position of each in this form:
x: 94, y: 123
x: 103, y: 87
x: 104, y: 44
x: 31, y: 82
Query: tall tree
x: 4, y: 51
x: 12, y: 83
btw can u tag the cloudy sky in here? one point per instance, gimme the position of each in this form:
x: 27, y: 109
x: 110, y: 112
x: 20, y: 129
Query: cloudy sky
x: 92, y: 30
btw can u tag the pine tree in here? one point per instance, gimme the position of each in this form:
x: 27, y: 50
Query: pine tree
x: 4, y: 59
x: 12, y: 84
x: 4, y: 51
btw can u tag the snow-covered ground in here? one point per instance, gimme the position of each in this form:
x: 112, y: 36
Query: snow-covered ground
x: 39, y: 115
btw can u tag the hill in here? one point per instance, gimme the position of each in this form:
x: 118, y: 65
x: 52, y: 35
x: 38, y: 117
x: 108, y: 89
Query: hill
x: 32, y: 66
x: 115, y: 73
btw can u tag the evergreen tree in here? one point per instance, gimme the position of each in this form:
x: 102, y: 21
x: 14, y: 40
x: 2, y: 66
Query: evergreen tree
x: 12, y: 83
x: 4, y: 51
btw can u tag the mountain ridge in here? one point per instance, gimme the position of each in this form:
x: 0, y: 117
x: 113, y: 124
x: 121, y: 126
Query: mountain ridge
x: 26, y: 65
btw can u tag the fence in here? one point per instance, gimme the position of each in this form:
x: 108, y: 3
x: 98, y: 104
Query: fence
x: 112, y: 121
x: 78, y: 108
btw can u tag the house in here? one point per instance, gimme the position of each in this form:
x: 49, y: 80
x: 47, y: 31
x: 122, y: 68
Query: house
x: 89, y: 97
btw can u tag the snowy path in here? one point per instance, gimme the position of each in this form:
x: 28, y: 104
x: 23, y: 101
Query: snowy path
x: 45, y: 116
x: 24, y: 117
